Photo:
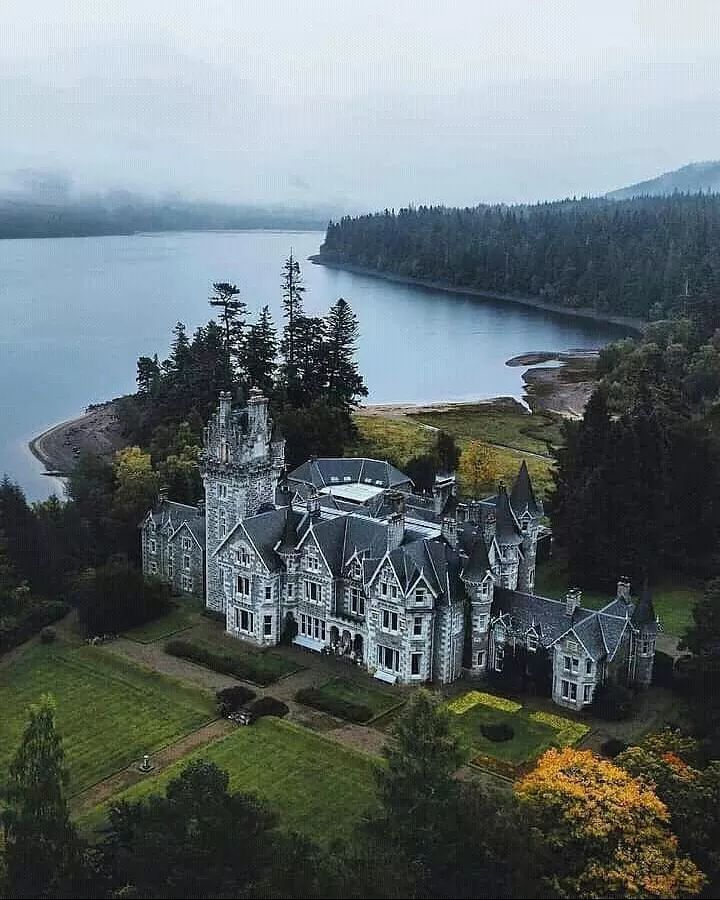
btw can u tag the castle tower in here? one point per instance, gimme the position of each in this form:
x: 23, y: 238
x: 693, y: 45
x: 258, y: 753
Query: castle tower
x: 509, y: 538
x: 528, y: 512
x: 645, y: 625
x: 479, y: 584
x: 241, y: 463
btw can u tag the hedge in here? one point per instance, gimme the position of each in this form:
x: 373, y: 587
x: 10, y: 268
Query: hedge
x: 240, y: 667
x: 344, y: 709
x: 232, y: 698
x: 17, y: 629
x: 269, y: 706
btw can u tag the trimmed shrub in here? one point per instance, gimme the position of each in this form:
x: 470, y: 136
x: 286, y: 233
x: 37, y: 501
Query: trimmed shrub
x: 613, y: 747
x: 498, y: 731
x: 48, y: 635
x: 16, y: 629
x: 243, y: 667
x: 343, y: 709
x: 231, y: 698
x: 612, y: 702
x: 269, y: 706
x: 663, y: 669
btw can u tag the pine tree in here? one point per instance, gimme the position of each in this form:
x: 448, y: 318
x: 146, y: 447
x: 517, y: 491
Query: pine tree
x: 261, y: 352
x: 344, y: 382
x: 226, y: 297
x: 42, y: 851
x: 292, y: 294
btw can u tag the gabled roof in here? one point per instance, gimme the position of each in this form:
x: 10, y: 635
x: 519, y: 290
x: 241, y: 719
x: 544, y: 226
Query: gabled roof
x: 522, y: 496
x: 328, y: 471
x: 290, y: 538
x: 521, y: 611
x: 507, y: 528
x: 172, y: 514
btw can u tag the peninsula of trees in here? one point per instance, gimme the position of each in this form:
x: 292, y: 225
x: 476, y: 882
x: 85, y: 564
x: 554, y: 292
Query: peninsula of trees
x: 639, y: 258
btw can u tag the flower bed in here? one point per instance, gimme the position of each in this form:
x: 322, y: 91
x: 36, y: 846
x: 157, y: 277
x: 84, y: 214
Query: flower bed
x: 497, y: 766
x: 472, y: 698
x: 568, y: 731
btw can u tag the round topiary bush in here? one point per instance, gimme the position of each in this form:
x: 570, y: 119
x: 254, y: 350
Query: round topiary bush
x: 497, y: 732
x: 612, y: 747
x: 269, y: 706
x: 48, y: 635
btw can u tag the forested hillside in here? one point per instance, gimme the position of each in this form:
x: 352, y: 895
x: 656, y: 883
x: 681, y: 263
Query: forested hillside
x: 636, y: 257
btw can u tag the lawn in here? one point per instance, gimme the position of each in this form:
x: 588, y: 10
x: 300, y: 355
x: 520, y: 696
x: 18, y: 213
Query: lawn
x: 396, y: 439
x: 318, y: 787
x: 182, y: 615
x: 109, y: 711
x: 259, y: 666
x: 376, y: 699
x: 673, y: 600
x: 533, y: 731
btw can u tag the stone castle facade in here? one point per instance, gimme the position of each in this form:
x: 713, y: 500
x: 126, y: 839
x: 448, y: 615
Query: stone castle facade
x: 342, y: 556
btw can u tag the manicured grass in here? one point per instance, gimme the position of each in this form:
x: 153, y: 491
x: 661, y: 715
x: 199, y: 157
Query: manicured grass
x: 529, y: 741
x: 318, y: 787
x: 236, y: 657
x: 109, y: 711
x: 181, y: 616
x: 673, y: 600
x: 375, y: 699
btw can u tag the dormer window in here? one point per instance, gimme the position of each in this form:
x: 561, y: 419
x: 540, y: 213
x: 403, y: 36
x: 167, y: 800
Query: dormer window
x: 420, y: 595
x: 532, y: 641
x: 356, y: 571
x: 313, y: 561
x: 242, y: 556
x: 186, y: 543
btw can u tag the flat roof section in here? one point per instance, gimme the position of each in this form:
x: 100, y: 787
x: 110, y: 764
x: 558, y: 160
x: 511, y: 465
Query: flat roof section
x: 354, y: 492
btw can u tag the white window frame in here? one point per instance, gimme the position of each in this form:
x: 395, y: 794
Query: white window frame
x: 415, y: 658
x: 153, y: 567
x: 186, y: 562
x: 313, y: 587
x: 390, y: 621
x: 382, y: 656
x: 242, y: 586
x: 187, y: 583
x: 186, y: 543
x: 244, y: 620
x: 267, y: 626
x: 417, y: 626
x: 587, y: 693
x: 153, y: 545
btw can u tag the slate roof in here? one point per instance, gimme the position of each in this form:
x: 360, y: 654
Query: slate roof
x: 478, y: 564
x: 327, y: 471
x: 507, y: 528
x: 522, y: 496
x: 175, y: 514
x: 643, y: 615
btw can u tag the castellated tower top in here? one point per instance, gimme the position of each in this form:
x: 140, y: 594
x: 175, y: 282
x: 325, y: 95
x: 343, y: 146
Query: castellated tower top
x: 234, y: 439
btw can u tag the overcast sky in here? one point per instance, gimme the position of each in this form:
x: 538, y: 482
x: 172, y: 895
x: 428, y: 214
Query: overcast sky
x: 367, y: 103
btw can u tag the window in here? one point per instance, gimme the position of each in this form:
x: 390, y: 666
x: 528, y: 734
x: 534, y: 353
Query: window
x: 268, y: 592
x: 356, y: 571
x: 242, y: 556
x: 587, y: 693
x: 289, y: 591
x: 485, y: 588
x: 153, y: 568
x: 393, y: 592
x: 482, y: 622
x: 313, y: 562
x: 153, y: 546
x: 186, y: 543
x: 222, y: 523
x: 312, y: 627
x: 357, y: 602
x: 565, y: 689
x: 244, y: 620
x: 417, y: 625
x: 313, y: 592
x: 384, y: 588
x: 524, y: 524
x: 575, y: 664
x: 267, y: 625
x: 646, y: 648
x: 532, y: 642
x: 388, y: 658
x: 573, y: 691
x: 187, y: 583
x: 499, y: 658
x: 588, y: 666
x: 480, y: 659
x: 415, y: 663
x: 222, y: 491
x: 566, y: 663
x: 243, y: 586
x: 420, y: 595
x: 171, y: 566
x: 389, y: 620
x: 186, y: 561
x: 571, y: 645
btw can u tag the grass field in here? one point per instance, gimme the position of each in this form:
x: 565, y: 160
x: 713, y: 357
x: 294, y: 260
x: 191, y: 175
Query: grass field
x: 318, y: 787
x: 375, y: 699
x: 673, y: 601
x: 109, y: 712
x: 182, y: 616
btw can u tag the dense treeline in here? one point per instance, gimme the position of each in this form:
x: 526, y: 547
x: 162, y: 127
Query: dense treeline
x: 638, y: 479
x: 428, y: 835
x: 632, y: 257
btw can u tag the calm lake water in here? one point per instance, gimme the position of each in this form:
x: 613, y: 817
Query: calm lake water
x: 77, y: 312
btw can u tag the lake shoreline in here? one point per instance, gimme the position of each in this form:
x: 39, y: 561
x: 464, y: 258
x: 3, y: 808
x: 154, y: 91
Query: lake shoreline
x: 632, y: 324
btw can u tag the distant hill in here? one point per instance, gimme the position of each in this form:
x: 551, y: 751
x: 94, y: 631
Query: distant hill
x: 691, y: 179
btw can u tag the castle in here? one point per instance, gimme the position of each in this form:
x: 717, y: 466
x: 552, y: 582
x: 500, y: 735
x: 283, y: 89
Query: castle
x: 342, y: 556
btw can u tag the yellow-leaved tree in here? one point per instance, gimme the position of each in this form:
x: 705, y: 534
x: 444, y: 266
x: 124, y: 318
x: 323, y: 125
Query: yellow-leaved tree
x: 606, y: 833
x: 478, y: 468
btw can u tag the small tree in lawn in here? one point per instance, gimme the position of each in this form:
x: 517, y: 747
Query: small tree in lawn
x: 42, y: 851
x: 478, y: 467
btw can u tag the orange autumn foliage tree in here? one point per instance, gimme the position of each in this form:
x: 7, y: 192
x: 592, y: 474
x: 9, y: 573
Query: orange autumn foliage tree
x: 606, y: 833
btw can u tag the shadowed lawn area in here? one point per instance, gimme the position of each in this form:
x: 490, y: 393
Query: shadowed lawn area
x: 259, y: 666
x: 182, y: 615
x: 673, y: 600
x: 109, y: 711
x: 318, y: 787
x: 376, y: 699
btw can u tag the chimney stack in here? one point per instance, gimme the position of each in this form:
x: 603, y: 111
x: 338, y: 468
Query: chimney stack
x: 162, y: 493
x: 623, y: 589
x: 572, y: 601
x: 450, y: 532
x: 396, y: 520
x: 313, y: 505
x: 201, y: 508
x: 225, y: 405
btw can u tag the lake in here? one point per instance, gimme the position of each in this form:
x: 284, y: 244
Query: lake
x: 77, y: 312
